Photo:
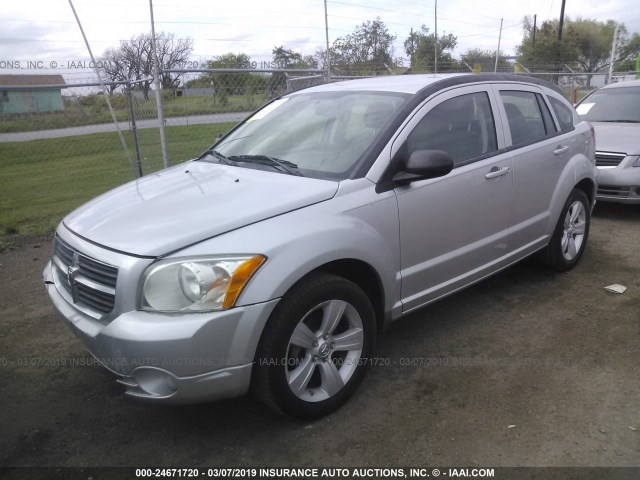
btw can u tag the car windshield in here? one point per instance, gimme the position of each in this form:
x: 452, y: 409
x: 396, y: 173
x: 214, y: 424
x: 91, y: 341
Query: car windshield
x: 318, y: 135
x: 620, y: 104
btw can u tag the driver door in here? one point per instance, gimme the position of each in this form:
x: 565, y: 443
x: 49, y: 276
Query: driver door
x: 454, y: 229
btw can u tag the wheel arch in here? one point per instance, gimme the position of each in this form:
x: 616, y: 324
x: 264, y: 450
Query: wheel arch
x: 578, y: 174
x: 588, y: 187
x: 364, y: 276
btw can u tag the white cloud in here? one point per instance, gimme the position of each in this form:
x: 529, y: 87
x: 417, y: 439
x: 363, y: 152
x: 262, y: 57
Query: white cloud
x: 46, y: 29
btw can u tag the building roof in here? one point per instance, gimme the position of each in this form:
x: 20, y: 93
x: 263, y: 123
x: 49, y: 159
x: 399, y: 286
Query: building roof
x: 28, y: 80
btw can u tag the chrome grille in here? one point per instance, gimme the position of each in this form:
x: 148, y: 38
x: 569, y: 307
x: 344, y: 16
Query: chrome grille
x: 84, y: 281
x: 609, y: 159
x: 102, y: 302
x: 97, y: 271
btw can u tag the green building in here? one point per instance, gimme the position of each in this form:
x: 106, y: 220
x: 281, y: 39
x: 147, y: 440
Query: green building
x: 31, y: 93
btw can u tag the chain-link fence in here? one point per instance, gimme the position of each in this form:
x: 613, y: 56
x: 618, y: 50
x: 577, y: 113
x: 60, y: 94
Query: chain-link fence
x: 30, y: 112
x: 60, y: 147
x: 206, y: 97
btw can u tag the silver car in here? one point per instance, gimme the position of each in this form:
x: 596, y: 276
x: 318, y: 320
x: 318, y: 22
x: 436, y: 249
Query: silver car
x: 273, y: 261
x: 614, y: 112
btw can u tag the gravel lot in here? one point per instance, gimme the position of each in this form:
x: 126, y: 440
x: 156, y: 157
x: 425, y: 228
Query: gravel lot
x: 528, y: 368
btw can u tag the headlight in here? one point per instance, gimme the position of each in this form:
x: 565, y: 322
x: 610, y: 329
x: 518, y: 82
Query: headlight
x: 197, y: 284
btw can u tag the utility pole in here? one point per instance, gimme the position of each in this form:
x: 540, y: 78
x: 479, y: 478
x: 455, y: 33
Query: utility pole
x: 561, y: 21
x: 156, y: 83
x: 535, y: 19
x: 435, y: 57
x: 326, y: 33
x: 559, y: 53
x: 613, y: 54
x: 413, y: 49
x: 495, y: 68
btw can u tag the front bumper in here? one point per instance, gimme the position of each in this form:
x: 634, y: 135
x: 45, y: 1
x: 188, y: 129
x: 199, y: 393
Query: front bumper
x: 620, y: 184
x: 172, y: 358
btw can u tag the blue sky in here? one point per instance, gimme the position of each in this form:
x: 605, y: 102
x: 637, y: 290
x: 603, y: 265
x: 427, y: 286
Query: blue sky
x: 45, y: 30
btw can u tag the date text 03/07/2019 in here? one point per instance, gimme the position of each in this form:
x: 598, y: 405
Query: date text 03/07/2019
x: 370, y: 472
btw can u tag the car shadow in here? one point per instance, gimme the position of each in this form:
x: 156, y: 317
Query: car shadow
x: 617, y: 211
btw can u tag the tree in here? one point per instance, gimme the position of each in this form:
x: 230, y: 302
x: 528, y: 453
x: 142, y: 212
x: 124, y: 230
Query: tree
x: 369, y: 49
x: 320, y: 58
x: 172, y: 54
x: 283, y: 58
x: 287, y: 59
x: 586, y: 46
x: 593, y: 40
x: 541, y: 51
x: 629, y: 54
x: 133, y: 60
x: 420, y: 47
x: 226, y: 84
x: 129, y: 62
x: 486, y: 59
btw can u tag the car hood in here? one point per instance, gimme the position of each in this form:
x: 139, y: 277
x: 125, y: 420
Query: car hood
x: 617, y: 137
x: 186, y: 204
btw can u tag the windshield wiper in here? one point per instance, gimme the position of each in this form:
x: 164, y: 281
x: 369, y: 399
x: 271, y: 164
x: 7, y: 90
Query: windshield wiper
x: 283, y: 166
x: 278, y: 164
x: 220, y: 157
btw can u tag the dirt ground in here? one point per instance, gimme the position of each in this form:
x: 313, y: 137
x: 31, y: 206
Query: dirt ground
x: 528, y: 368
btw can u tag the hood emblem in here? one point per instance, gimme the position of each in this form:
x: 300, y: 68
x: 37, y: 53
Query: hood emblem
x: 72, y: 270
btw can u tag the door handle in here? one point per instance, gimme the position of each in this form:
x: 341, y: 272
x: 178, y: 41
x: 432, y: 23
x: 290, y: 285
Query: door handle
x: 560, y: 150
x: 496, y: 172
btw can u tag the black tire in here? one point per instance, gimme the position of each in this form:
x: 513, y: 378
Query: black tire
x: 569, y: 238
x: 314, y: 372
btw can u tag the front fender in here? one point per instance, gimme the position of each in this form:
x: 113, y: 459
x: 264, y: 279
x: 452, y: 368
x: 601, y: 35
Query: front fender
x: 356, y: 225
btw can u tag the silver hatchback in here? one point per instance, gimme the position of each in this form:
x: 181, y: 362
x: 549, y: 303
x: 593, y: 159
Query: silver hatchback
x: 273, y: 260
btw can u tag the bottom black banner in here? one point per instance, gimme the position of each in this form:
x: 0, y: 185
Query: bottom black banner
x: 329, y: 473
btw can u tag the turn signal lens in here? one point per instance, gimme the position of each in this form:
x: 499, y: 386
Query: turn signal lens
x: 240, y: 277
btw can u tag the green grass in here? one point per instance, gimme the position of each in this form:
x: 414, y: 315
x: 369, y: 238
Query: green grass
x: 92, y: 109
x: 43, y: 180
x: 181, y: 106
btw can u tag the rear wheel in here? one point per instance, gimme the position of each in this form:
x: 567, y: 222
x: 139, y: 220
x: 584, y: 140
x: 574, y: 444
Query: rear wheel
x: 570, y: 235
x: 311, y: 356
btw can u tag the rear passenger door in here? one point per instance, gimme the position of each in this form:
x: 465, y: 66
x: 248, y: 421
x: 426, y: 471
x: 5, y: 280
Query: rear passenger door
x: 540, y: 154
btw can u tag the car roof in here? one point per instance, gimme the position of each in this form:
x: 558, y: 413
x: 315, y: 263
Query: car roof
x: 387, y: 83
x: 416, y: 83
x: 625, y: 83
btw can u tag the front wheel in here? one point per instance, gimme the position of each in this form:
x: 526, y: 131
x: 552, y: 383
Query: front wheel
x: 569, y: 238
x: 313, y: 351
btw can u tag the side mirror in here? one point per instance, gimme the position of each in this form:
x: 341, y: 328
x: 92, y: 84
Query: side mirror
x: 424, y: 164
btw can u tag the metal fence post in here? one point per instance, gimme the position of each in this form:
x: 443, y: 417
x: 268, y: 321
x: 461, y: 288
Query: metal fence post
x: 132, y: 126
x: 156, y: 83
x: 287, y: 82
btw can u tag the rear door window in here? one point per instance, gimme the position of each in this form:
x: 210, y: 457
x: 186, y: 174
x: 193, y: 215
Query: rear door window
x: 524, y: 117
x: 564, y: 114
